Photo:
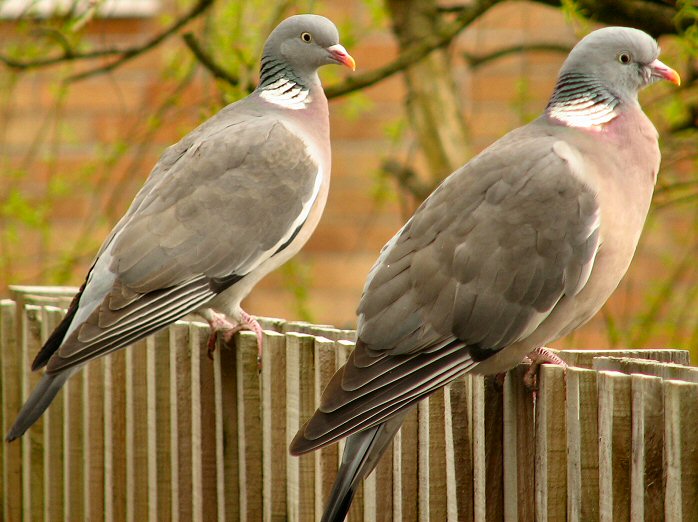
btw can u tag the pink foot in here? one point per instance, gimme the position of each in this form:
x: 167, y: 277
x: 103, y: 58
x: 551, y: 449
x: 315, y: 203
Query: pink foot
x: 220, y: 323
x: 537, y: 357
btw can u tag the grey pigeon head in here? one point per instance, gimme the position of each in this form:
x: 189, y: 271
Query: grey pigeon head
x: 622, y: 58
x: 302, y: 43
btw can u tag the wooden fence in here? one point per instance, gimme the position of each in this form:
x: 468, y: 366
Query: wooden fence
x: 161, y: 432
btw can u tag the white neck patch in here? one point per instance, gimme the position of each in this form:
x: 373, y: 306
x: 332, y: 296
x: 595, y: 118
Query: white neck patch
x: 286, y: 93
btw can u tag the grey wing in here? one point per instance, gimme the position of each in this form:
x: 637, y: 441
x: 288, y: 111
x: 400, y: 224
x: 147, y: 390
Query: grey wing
x: 233, y: 199
x: 479, y: 266
x: 487, y: 257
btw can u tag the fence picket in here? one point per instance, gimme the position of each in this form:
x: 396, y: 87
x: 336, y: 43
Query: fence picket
x: 159, y: 431
x: 646, y: 480
x: 614, y: 446
x: 518, y: 448
x: 326, y: 459
x: 462, y: 433
x: 488, y: 424
x: 300, y: 390
x: 582, y: 446
x: 681, y: 453
x: 274, y: 426
x: 12, y: 371
x: 249, y: 427
x: 405, y: 466
x: 551, y: 445
x: 136, y: 431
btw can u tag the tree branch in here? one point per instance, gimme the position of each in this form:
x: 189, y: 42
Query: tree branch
x: 207, y: 61
x: 652, y: 17
x: 407, y: 179
x: 124, y: 54
x: 466, y: 16
x: 476, y: 61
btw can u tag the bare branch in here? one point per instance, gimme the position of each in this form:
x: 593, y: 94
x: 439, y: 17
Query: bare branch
x: 652, y: 17
x: 124, y: 54
x: 407, y: 179
x: 206, y: 60
x: 476, y: 61
x: 465, y: 17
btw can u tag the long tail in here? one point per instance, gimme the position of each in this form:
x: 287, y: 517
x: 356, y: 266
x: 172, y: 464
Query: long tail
x: 38, y: 401
x: 362, y: 452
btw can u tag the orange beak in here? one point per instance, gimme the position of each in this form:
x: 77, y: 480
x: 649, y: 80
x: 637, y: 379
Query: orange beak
x: 340, y: 54
x: 660, y: 70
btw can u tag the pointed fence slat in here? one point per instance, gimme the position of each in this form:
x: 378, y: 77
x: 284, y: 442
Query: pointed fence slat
x: 615, y: 446
x: 646, y: 472
x: 681, y: 453
x: 551, y: 445
x: 274, y: 452
x: 582, y: 446
x: 518, y: 448
x: 161, y: 431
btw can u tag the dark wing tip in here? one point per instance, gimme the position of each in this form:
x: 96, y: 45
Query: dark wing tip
x: 300, y: 445
x: 56, y: 338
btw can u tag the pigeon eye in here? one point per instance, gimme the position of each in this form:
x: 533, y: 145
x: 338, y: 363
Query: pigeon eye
x: 306, y: 37
x: 624, y: 58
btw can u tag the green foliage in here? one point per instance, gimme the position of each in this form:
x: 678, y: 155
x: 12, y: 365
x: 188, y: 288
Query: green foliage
x: 297, y: 277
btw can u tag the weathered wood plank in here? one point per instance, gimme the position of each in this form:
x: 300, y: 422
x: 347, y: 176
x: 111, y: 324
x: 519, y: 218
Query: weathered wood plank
x: 681, y: 451
x: 115, y: 437
x: 161, y: 363
x: 197, y: 347
x: 582, y: 446
x: 615, y: 446
x: 249, y: 427
x: 229, y: 420
x: 208, y: 504
x: 585, y: 358
x: 518, y: 448
x: 356, y: 513
x: 274, y: 443
x: 551, y: 445
x: 32, y: 440
x: 630, y: 365
x: 488, y: 426
x: 326, y: 459
x: 432, y: 459
x: 405, y: 468
x: 300, y: 404
x: 136, y: 432
x: 180, y: 390
x: 646, y: 474
x: 461, y: 427
x: 11, y: 368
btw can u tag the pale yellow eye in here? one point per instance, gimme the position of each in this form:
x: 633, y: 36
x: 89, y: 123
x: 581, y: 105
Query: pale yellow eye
x: 624, y: 58
x: 306, y: 37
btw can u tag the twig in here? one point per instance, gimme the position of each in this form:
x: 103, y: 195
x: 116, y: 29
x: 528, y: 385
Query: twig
x: 356, y: 82
x: 198, y: 9
x: 125, y: 54
x: 466, y: 16
x: 652, y: 17
x: 476, y: 61
x: 207, y: 61
x: 407, y: 178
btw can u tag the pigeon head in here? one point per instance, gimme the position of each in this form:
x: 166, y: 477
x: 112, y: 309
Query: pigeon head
x: 605, y: 71
x: 302, y: 44
x: 624, y: 59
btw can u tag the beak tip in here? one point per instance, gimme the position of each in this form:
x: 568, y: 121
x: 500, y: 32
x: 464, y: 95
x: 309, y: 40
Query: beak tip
x: 340, y: 54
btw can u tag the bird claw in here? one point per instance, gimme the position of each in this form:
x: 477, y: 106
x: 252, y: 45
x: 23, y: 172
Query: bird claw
x: 537, y: 357
x: 228, y: 330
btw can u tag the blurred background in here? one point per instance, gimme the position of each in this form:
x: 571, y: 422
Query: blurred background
x: 91, y: 92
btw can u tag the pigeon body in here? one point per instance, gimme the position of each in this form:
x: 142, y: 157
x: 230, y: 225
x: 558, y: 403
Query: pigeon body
x: 515, y: 249
x: 229, y: 203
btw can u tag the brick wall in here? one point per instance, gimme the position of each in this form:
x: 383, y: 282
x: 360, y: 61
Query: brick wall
x: 97, y: 114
